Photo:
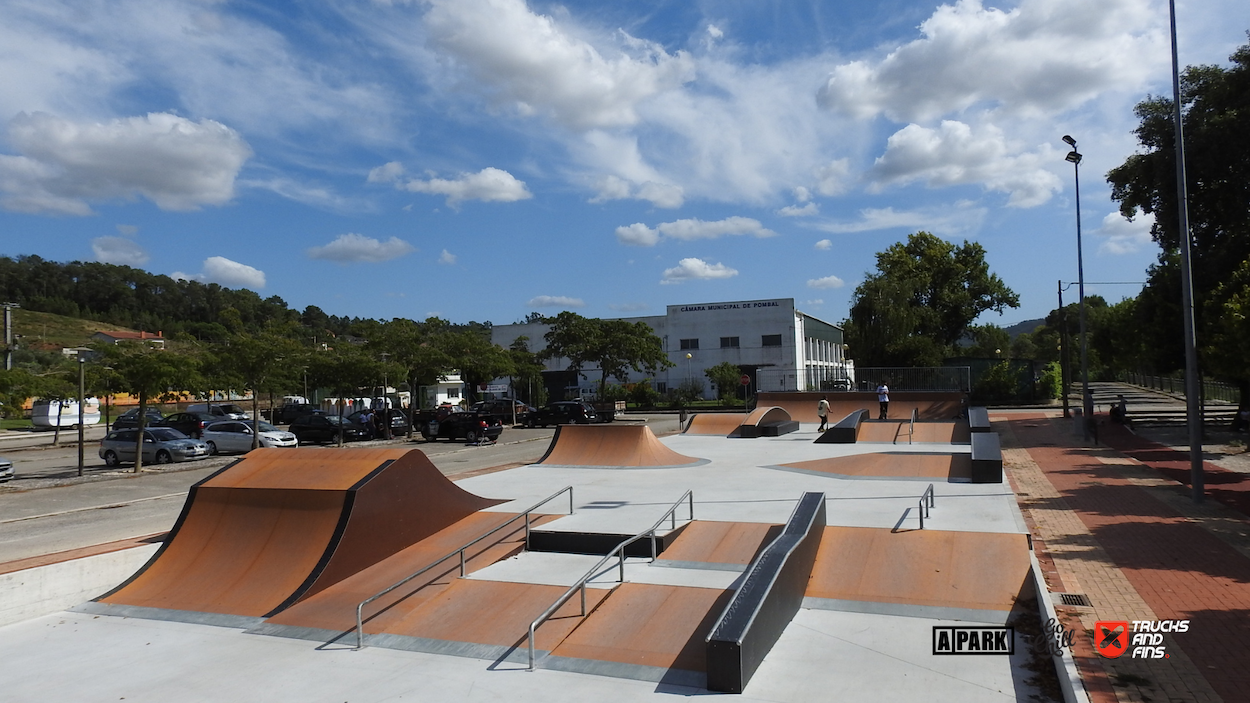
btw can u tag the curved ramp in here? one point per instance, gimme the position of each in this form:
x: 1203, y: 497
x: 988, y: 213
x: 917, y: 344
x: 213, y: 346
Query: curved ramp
x: 282, y: 524
x: 611, y: 446
x: 722, y: 424
x: 932, y: 405
x: 954, y: 468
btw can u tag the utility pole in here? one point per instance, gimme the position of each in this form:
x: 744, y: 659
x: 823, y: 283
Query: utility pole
x: 9, y: 347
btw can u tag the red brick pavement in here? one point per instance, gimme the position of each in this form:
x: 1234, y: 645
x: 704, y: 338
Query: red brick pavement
x: 1228, y: 487
x: 1179, y: 569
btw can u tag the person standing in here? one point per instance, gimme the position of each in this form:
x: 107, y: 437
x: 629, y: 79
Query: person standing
x: 883, y: 397
x: 822, y: 411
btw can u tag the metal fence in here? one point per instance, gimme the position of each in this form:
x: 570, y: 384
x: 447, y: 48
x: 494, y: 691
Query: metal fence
x: 1211, y: 390
x: 939, y: 378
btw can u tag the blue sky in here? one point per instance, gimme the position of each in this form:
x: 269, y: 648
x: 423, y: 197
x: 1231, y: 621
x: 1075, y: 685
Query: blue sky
x: 483, y: 159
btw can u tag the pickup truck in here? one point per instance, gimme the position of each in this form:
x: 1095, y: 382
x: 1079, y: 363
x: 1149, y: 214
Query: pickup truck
x: 287, y: 413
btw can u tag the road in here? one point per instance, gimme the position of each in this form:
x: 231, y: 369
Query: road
x: 111, y: 505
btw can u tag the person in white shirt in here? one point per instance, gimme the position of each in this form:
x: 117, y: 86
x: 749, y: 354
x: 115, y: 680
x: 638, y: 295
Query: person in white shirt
x: 883, y: 397
x: 822, y: 411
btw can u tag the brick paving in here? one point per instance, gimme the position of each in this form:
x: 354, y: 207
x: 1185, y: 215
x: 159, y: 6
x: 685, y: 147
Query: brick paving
x: 1123, y: 534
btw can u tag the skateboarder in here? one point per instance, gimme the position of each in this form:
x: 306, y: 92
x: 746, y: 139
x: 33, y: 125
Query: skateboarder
x: 822, y: 411
x: 883, y: 397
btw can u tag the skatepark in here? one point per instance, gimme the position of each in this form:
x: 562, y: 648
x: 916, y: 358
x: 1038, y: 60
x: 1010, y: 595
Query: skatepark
x: 365, y: 574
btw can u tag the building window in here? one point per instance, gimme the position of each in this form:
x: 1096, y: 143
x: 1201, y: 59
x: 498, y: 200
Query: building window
x: 453, y: 392
x: 689, y: 344
x: 728, y: 342
x: 771, y: 340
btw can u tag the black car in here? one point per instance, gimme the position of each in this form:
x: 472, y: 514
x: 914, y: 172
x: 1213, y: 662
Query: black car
x: 468, y: 426
x: 130, y: 418
x: 563, y: 412
x: 319, y: 428
x: 190, y: 424
x: 502, y: 409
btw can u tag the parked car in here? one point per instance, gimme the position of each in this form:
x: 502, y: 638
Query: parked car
x: 236, y: 436
x: 319, y: 428
x: 130, y: 418
x: 468, y: 426
x: 290, y: 411
x: 399, y: 421
x: 502, y: 409
x: 223, y: 411
x: 161, y: 445
x: 6, y: 469
x: 189, y: 423
x: 562, y: 412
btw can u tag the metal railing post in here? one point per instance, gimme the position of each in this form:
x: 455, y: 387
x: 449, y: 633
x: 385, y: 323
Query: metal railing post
x: 461, y: 563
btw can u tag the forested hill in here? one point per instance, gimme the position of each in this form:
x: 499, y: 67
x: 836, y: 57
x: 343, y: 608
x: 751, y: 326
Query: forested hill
x: 140, y: 300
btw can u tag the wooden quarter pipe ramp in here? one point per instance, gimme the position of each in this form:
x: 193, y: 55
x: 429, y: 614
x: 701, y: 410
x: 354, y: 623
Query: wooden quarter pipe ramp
x: 612, y: 446
x: 722, y: 424
x: 282, y: 524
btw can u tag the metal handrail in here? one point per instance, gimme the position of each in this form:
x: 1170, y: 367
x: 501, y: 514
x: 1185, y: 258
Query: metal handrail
x: 360, y: 623
x: 670, y: 514
x: 926, y: 502
x: 911, y: 431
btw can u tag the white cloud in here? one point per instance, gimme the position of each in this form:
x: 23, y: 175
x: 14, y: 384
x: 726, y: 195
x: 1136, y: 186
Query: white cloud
x: 176, y: 163
x: 1122, y: 236
x: 1043, y: 56
x: 953, y: 154
x: 386, y: 173
x: 833, y: 178
x: 555, y: 301
x: 539, y: 65
x: 628, y: 307
x: 447, y: 258
x: 826, y: 282
x: 697, y: 269
x: 223, y: 271
x: 488, y: 185
x: 354, y: 248
x: 118, y: 250
x: 658, y: 194
x: 804, y: 210
x: 962, y: 219
x: 639, y: 234
x: 815, y: 302
x: 823, y: 245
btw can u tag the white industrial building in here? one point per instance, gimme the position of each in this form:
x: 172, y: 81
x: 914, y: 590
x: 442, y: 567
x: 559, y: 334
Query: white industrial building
x: 779, y: 347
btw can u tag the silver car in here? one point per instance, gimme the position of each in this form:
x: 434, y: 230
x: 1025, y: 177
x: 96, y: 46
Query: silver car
x: 233, y: 436
x: 161, y: 445
x: 6, y: 469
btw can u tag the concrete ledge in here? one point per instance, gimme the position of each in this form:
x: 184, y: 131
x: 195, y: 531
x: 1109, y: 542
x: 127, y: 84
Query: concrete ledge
x: 987, y: 458
x: 978, y: 420
x: 50, y: 588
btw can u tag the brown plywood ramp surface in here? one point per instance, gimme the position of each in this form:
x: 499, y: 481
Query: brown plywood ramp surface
x: 722, y: 424
x: 730, y: 543
x: 932, y: 568
x: 648, y: 626
x: 612, y: 446
x: 896, y: 431
x: 282, y: 524
x: 334, y: 609
x: 900, y: 465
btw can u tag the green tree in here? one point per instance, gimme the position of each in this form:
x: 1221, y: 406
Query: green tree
x: 149, y: 373
x: 478, y: 359
x: 527, y: 368
x: 411, y: 347
x: 343, y: 370
x: 1216, y: 115
x: 725, y: 376
x: 921, y: 300
x: 615, y: 346
x: 264, y: 363
x: 988, y: 341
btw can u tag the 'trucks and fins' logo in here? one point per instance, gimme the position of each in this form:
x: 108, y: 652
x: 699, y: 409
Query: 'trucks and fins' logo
x: 1144, y: 638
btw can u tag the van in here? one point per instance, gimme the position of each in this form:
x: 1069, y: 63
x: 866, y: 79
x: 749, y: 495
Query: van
x: 227, y: 411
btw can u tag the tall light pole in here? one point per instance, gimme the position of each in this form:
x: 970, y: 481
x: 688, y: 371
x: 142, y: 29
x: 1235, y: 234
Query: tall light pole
x: 1193, y: 407
x: 82, y: 400
x: 1087, y: 400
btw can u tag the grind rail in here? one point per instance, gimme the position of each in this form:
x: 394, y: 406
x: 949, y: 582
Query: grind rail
x: 619, y: 550
x: 360, y: 623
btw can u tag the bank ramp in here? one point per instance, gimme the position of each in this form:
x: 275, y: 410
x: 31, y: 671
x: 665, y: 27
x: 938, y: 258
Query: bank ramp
x: 612, y: 446
x: 281, y: 525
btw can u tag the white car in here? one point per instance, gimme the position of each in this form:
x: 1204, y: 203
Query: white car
x: 236, y: 436
x: 6, y: 469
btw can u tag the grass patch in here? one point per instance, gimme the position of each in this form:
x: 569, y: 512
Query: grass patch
x: 14, y: 423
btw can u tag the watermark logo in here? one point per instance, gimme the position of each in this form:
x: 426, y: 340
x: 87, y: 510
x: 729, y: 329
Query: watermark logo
x: 974, y: 640
x: 1111, y: 637
x: 1053, y: 639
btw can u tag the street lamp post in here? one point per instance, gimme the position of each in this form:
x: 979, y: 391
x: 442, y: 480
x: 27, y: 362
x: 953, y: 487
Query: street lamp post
x: 82, y: 400
x: 1087, y: 400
